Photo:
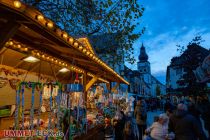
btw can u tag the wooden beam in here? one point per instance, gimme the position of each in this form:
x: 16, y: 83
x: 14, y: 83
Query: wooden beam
x: 108, y: 86
x: 115, y: 87
x: 18, y: 64
x: 84, y: 83
x: 92, y: 81
x: 8, y: 31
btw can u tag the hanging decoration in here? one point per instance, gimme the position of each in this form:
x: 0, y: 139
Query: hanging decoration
x: 32, y: 85
x: 17, y: 108
x: 3, y: 82
x: 51, y: 106
x: 22, y: 94
x: 14, y: 82
x: 40, y: 103
x: 58, y: 101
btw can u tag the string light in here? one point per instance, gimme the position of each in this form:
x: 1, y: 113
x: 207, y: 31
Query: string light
x: 80, y: 47
x: 19, y: 46
x: 65, y: 35
x: 40, y: 17
x: 71, y: 40
x: 84, y: 50
x: 25, y: 49
x: 17, y: 4
x: 49, y: 24
x: 76, y: 44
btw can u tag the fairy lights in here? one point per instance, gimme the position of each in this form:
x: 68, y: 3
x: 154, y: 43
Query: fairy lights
x: 39, y: 17
x: 49, y: 24
x: 17, y: 4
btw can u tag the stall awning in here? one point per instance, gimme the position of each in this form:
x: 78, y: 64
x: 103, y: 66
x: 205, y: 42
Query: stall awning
x: 26, y: 26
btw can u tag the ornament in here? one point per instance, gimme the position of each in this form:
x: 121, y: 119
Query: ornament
x: 3, y: 82
x: 17, y: 108
x: 32, y: 106
x: 13, y: 83
x: 41, y: 108
x: 5, y: 71
x: 22, y: 93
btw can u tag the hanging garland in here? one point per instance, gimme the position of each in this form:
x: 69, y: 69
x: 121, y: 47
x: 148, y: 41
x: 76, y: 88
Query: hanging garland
x: 40, y: 102
x: 17, y: 108
x: 32, y: 106
x: 50, y: 113
x: 22, y: 93
x: 58, y: 100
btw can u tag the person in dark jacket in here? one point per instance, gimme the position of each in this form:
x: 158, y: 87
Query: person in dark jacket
x: 184, y: 125
x: 131, y: 131
x: 140, y: 114
x: 119, y: 123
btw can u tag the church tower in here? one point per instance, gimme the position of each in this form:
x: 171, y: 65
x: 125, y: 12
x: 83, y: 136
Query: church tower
x: 144, y: 65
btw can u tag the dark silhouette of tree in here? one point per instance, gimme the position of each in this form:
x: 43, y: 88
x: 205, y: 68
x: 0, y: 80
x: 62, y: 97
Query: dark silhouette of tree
x: 98, y: 17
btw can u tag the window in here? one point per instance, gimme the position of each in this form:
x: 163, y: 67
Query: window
x: 178, y: 71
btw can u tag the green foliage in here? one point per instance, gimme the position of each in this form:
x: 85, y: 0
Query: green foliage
x: 97, y: 17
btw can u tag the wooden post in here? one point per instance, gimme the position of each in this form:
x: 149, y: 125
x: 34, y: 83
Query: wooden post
x: 115, y: 87
x: 84, y: 82
x: 7, y: 32
x: 92, y: 81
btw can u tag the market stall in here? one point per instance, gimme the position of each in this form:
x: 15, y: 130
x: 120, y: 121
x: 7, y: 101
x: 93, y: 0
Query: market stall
x: 46, y: 75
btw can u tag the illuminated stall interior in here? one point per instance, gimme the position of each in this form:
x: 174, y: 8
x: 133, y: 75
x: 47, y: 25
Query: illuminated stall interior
x: 33, y: 48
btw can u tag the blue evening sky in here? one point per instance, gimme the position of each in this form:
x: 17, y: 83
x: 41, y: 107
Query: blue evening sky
x: 168, y: 23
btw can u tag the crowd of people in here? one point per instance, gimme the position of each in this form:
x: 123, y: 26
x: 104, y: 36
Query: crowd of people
x: 182, y: 118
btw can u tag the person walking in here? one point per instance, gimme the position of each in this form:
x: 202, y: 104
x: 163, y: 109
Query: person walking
x: 184, y: 125
x: 140, y: 114
x: 159, y: 129
x: 119, y: 123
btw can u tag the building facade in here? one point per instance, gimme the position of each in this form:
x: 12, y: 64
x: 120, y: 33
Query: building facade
x: 181, y: 73
x: 142, y: 82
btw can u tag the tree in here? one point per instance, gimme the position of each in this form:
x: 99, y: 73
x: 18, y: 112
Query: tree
x: 97, y: 17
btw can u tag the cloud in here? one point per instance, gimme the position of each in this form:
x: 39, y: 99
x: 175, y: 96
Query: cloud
x: 162, y: 48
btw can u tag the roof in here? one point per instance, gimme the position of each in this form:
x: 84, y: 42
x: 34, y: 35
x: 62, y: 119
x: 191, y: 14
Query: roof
x: 36, y: 32
x: 193, y: 50
x: 86, y: 43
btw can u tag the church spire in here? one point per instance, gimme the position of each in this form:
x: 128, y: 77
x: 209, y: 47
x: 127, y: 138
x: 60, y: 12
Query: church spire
x: 143, y: 57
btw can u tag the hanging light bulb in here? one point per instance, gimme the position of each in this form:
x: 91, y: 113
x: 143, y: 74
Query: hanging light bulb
x: 65, y: 35
x: 17, y: 3
x: 91, y: 55
x: 11, y: 43
x: 71, y: 40
x: 49, y: 24
x: 75, y: 44
x: 87, y: 52
x: 40, y: 17
x: 84, y: 50
x: 80, y: 47
x: 25, y: 49
x: 18, y: 46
